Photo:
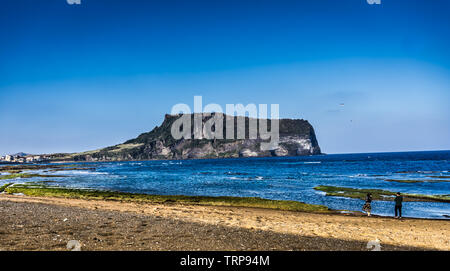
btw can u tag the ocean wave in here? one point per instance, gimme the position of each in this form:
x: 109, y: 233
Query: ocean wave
x: 236, y: 173
x: 239, y: 178
x: 301, y: 163
x: 171, y: 163
x: 80, y: 172
x: 418, y: 171
x: 359, y: 175
x: 234, y: 178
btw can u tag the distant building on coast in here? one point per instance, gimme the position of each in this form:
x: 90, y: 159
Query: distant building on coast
x: 23, y: 159
x: 31, y: 159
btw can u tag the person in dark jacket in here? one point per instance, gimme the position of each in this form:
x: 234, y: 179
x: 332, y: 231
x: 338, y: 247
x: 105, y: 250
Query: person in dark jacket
x: 367, y: 206
x: 398, y: 205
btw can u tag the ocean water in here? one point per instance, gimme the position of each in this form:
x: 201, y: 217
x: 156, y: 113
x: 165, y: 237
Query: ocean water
x: 281, y: 178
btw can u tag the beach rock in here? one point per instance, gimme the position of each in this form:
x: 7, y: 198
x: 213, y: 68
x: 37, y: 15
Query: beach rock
x: 247, y: 153
x: 281, y: 151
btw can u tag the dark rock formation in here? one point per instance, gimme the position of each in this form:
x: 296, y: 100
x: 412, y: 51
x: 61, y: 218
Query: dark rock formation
x: 297, y: 137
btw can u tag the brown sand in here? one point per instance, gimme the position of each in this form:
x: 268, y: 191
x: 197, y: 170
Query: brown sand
x: 37, y: 223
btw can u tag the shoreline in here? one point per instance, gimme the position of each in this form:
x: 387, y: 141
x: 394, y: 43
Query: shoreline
x: 304, y: 230
x: 42, y: 189
x: 56, y: 161
x: 385, y: 195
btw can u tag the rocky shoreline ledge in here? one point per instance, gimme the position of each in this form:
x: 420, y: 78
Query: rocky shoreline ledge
x: 49, y: 223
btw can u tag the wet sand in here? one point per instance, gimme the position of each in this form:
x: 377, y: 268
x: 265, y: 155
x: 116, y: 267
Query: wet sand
x: 37, y: 223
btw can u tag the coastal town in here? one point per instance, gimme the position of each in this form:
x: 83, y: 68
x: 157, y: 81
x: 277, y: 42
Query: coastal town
x: 22, y: 158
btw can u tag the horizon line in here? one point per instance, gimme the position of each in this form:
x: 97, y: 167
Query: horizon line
x: 324, y: 153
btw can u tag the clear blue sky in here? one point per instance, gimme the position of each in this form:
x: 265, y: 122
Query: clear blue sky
x: 80, y: 77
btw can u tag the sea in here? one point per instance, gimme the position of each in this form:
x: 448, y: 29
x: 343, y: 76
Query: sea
x: 279, y: 178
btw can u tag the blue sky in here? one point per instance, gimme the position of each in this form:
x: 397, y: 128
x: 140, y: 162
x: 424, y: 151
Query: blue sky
x: 80, y: 77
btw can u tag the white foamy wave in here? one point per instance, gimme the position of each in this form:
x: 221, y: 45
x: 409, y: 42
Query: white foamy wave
x: 301, y: 163
x: 358, y: 176
x: 79, y: 172
x: 171, y: 163
x: 346, y: 212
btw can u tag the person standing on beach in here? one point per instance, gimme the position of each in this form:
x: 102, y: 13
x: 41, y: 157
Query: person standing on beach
x: 367, y: 206
x: 398, y: 205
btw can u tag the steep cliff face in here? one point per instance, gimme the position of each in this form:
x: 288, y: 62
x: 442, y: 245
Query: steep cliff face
x: 296, y: 137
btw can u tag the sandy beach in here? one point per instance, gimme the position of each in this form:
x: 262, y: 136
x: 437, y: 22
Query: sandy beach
x: 47, y: 223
